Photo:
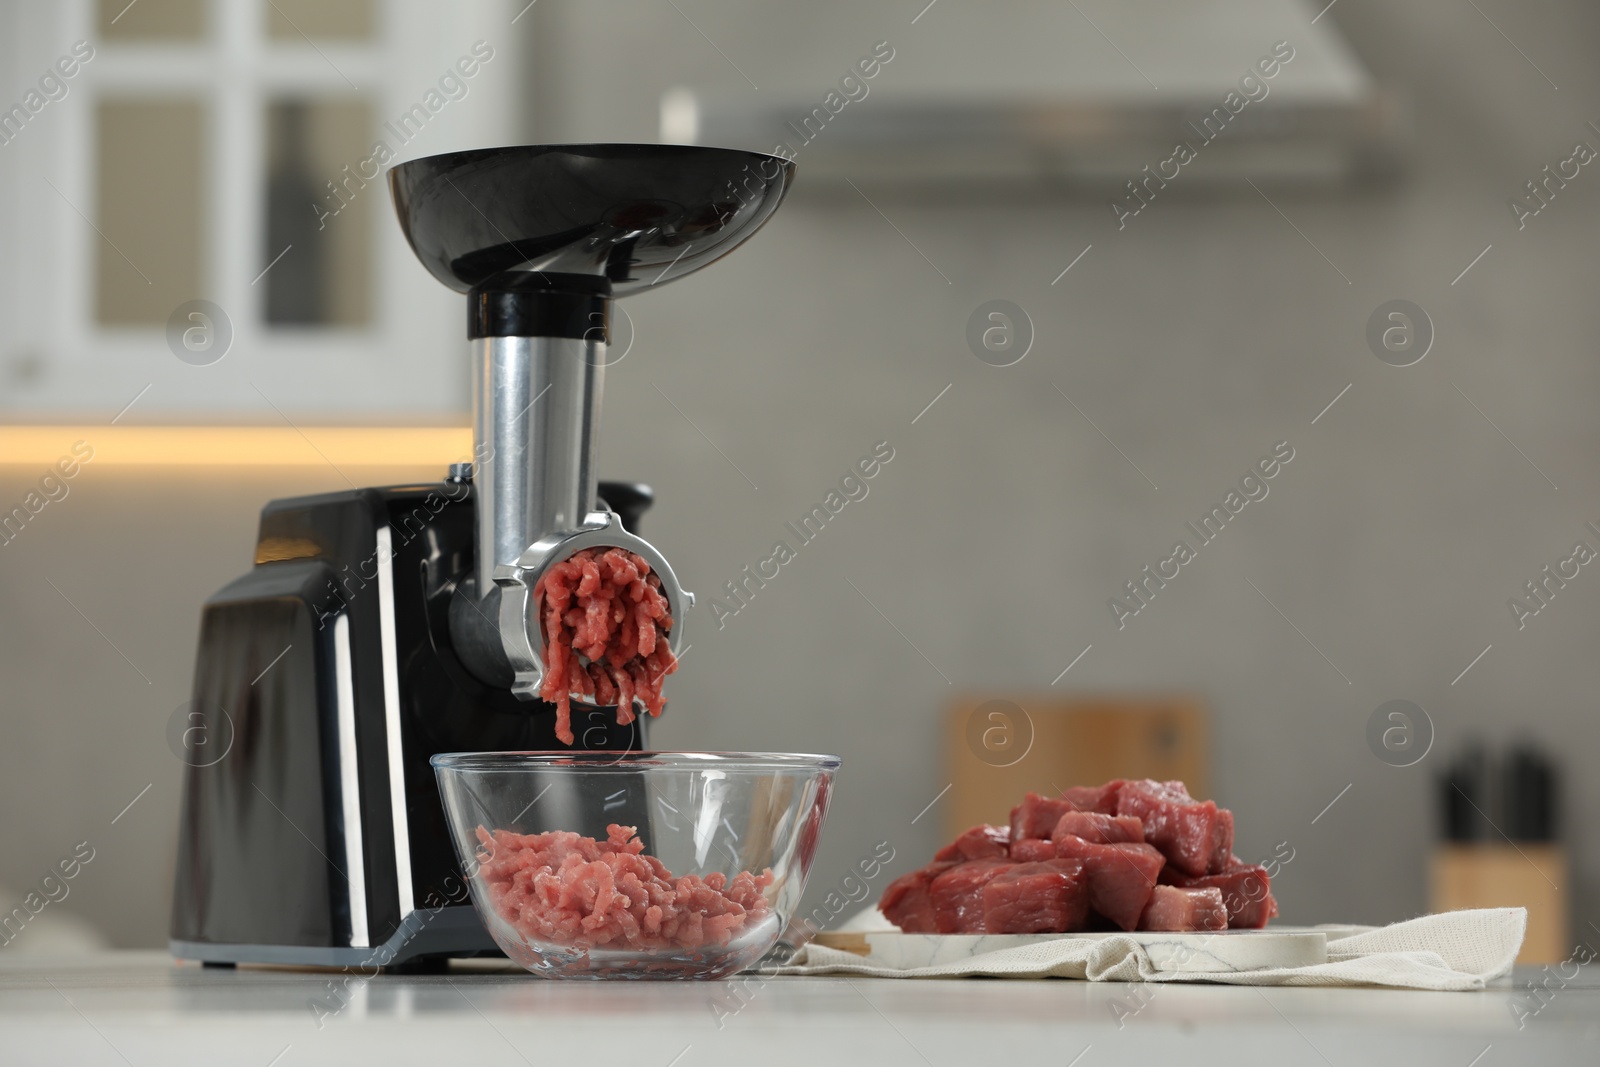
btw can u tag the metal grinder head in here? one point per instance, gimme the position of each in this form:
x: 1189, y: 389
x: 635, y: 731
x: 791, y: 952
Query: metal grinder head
x: 542, y: 239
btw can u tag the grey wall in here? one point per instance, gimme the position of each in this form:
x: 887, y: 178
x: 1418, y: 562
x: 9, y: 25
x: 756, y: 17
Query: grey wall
x: 1195, y: 339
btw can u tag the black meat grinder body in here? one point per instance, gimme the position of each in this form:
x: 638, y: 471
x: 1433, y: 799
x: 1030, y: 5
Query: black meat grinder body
x: 380, y: 627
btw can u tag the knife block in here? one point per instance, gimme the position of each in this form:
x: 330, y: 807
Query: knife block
x: 1497, y: 875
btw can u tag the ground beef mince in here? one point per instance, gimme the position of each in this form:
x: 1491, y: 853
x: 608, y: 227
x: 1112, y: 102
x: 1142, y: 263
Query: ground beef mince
x: 605, y: 623
x: 1130, y: 854
x: 567, y: 889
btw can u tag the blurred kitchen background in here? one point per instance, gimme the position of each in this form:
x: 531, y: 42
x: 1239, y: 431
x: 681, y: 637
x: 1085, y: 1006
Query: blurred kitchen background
x: 224, y: 152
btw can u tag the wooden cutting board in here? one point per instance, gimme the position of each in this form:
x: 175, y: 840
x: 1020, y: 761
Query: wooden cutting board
x: 999, y: 746
x: 1207, y: 953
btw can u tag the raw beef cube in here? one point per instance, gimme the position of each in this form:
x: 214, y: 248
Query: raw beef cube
x: 1101, y: 798
x: 1117, y: 842
x: 979, y: 843
x: 1100, y: 829
x: 907, y: 903
x: 1172, y: 908
x: 1121, y: 876
x: 958, y: 896
x: 1222, y: 856
x: 1037, y: 815
x: 1032, y: 850
x: 1196, y: 836
x: 1246, y: 892
x: 1036, y: 898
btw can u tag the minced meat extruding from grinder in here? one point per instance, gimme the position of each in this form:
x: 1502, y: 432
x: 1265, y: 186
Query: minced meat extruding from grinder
x: 605, y: 624
x: 571, y: 890
x: 1128, y: 855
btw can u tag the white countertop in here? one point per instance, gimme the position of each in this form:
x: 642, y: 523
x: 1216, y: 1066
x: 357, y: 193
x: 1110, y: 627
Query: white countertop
x: 138, y: 1008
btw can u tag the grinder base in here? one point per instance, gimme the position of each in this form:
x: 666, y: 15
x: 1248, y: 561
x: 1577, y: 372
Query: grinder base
x: 312, y: 831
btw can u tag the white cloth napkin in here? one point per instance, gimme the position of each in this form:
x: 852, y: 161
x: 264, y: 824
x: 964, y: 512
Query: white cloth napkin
x: 1457, y: 950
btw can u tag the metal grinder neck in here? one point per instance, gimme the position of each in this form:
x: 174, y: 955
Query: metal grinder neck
x: 539, y: 352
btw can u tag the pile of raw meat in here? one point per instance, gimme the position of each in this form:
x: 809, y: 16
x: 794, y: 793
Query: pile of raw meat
x: 1129, y: 855
x: 605, y: 625
x: 571, y: 890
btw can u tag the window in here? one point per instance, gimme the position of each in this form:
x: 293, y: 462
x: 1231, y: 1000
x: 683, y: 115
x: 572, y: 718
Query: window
x: 223, y: 151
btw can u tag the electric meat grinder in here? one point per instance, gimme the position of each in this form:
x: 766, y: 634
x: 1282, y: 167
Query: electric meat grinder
x: 381, y: 626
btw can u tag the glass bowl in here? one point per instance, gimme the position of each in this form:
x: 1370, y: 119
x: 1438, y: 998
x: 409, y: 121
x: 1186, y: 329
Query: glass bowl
x: 666, y: 865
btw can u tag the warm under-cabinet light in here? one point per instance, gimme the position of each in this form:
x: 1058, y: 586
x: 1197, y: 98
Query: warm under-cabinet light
x: 240, y: 446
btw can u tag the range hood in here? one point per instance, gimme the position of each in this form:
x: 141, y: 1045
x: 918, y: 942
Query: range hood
x: 1074, y: 93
